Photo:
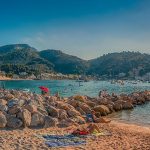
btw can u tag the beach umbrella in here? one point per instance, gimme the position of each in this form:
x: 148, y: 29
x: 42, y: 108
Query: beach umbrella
x: 43, y: 88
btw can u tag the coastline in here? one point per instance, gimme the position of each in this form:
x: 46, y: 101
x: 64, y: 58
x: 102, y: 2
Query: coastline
x: 4, y: 78
x: 124, y: 136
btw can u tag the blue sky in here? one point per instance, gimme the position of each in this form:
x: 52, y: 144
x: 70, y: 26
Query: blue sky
x: 85, y: 28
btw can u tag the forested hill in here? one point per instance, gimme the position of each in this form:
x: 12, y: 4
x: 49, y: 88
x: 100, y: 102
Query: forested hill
x: 124, y: 62
x: 18, y: 58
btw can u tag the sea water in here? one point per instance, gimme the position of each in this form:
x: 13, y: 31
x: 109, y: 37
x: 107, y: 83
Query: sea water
x: 66, y: 88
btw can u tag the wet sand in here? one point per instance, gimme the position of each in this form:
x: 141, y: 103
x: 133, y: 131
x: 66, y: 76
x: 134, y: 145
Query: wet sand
x: 124, y: 137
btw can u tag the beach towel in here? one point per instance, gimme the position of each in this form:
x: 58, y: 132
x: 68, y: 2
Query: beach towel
x: 63, y: 144
x: 63, y: 140
x: 50, y: 137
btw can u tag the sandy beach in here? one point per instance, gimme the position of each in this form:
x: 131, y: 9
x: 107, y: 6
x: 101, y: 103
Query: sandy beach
x: 124, y: 137
x: 4, y: 78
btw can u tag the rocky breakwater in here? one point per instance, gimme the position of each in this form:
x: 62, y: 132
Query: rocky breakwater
x: 20, y: 109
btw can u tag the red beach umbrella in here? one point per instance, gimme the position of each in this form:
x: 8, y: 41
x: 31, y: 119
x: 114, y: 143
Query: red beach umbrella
x: 43, y: 88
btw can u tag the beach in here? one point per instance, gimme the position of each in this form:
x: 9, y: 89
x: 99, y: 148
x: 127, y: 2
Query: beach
x: 4, y: 78
x: 124, y: 137
x: 26, y: 117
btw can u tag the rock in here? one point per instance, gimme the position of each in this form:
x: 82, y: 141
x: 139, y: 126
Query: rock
x: 104, y: 110
x: 62, y: 114
x: 73, y: 113
x: 9, y: 96
x: 98, y: 114
x: 14, y: 110
x: 12, y: 102
x: 111, y: 107
x: 1, y: 95
x: 81, y: 111
x: 91, y: 104
x: 103, y: 101
x: 26, y: 117
x: 3, y: 108
x: 31, y: 108
x: 52, y: 111
x: 66, y: 123
x: 13, y: 122
x: 127, y: 105
x: 140, y: 100
x: 73, y: 102
x: 85, y: 108
x: 79, y: 98
x: 21, y: 102
x: 50, y: 122
x: 80, y: 120
x: 42, y: 111
x: 118, y: 105
x: 3, y: 102
x: 3, y: 120
x: 37, y: 119
x: 65, y: 106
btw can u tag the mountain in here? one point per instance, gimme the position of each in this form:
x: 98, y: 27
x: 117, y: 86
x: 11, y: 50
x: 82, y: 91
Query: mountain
x: 64, y: 63
x: 13, y: 47
x: 115, y: 63
x: 23, y: 58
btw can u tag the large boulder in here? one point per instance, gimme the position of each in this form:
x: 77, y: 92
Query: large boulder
x: 3, y: 108
x: 81, y: 111
x: 104, y: 110
x: 79, y: 98
x: 118, y: 105
x: 42, y: 110
x: 62, y: 114
x: 3, y: 102
x: 127, y: 105
x: 13, y: 122
x: 52, y: 111
x: 3, y: 120
x: 63, y: 105
x: 66, y: 123
x: 85, y: 107
x: 50, y: 122
x: 91, y: 104
x: 111, y: 107
x: 12, y: 102
x: 25, y: 116
x: 37, y: 119
x: 73, y: 113
x: 73, y: 102
x: 31, y: 107
x: 79, y: 120
x: 21, y: 102
x: 14, y: 110
x: 9, y: 96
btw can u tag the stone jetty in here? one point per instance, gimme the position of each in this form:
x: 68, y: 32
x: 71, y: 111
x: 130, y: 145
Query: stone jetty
x: 20, y: 109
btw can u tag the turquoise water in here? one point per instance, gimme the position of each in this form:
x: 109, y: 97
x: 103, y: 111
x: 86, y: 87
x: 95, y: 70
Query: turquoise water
x: 71, y: 87
x: 141, y: 114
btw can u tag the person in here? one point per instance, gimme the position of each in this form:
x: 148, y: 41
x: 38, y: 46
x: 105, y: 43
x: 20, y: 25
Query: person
x: 88, y: 130
x: 57, y: 95
x: 92, y: 118
x: 44, y: 93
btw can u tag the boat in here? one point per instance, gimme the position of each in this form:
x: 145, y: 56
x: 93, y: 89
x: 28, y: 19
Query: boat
x: 25, y: 90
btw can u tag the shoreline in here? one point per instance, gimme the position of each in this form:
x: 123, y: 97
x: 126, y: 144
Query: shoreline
x: 128, y: 122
